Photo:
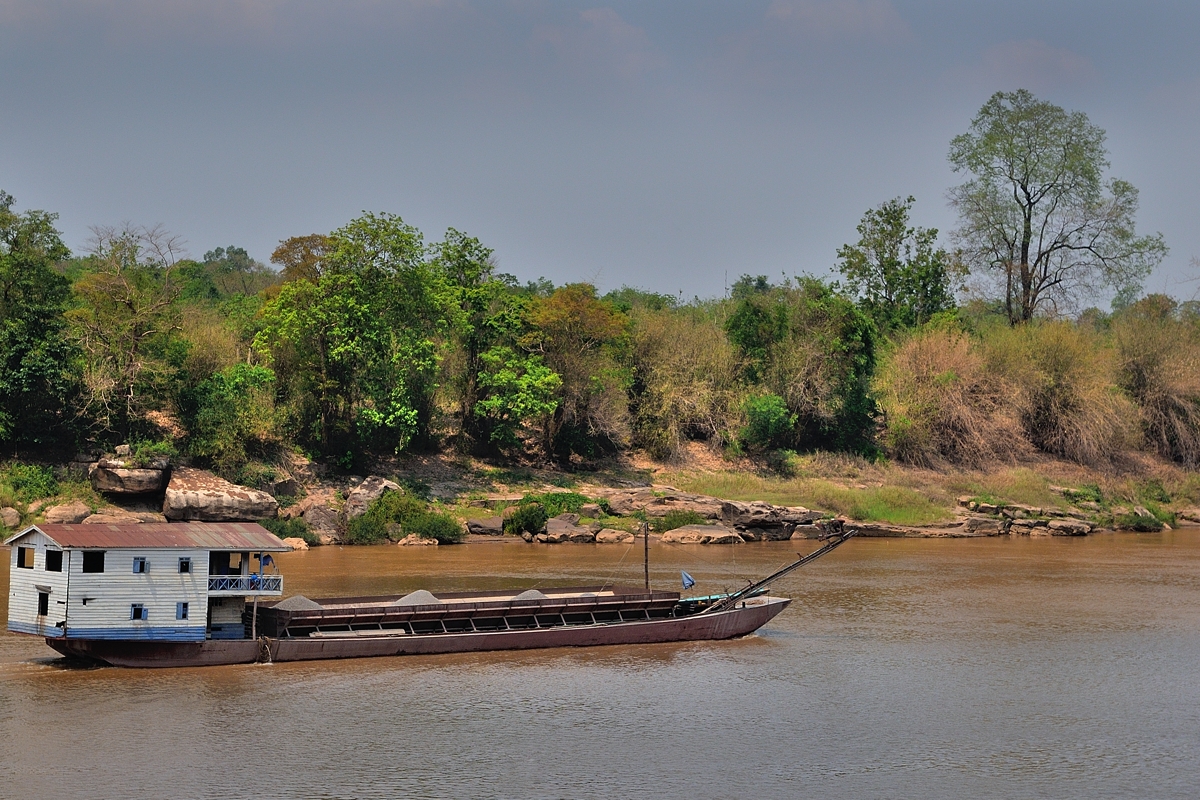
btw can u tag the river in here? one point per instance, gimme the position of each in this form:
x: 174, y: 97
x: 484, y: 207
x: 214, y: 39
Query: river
x: 1055, y: 668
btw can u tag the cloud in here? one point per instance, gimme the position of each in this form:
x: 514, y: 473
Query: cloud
x: 601, y: 41
x: 1030, y: 64
x: 841, y: 19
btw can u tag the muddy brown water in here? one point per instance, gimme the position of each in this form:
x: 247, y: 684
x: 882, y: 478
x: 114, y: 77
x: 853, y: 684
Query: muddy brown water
x: 1057, y: 668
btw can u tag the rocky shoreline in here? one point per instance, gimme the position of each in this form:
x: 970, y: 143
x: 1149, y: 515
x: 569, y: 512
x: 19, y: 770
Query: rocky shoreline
x: 162, y: 492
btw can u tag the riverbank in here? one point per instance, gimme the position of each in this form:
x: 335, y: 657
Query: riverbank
x: 732, y: 501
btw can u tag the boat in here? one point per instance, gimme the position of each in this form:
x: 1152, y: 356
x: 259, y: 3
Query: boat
x: 240, y: 616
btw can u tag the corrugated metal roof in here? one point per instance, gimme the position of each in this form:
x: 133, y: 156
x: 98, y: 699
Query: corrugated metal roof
x: 194, y: 535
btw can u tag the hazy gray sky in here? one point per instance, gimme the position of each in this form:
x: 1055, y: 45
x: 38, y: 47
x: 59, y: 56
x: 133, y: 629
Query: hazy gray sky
x: 663, y: 145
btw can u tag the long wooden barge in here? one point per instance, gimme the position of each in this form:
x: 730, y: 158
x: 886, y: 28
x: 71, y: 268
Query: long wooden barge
x: 178, y: 570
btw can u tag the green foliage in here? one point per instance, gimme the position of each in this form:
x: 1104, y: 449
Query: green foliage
x: 900, y: 276
x: 37, y: 375
x: 230, y: 417
x: 291, y: 528
x: 513, y: 389
x: 1088, y: 493
x: 769, y: 423
x: 145, y: 453
x: 785, y: 463
x: 556, y: 503
x: 29, y: 482
x: 814, y: 348
x: 529, y: 517
x: 677, y: 518
x: 1138, y: 522
x: 411, y: 514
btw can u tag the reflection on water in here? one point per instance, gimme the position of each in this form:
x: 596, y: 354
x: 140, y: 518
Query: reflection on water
x: 963, y: 668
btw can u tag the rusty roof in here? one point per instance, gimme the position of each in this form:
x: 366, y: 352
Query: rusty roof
x: 193, y: 535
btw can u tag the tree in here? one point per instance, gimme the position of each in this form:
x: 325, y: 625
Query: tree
x: 1037, y: 214
x: 897, y: 271
x: 123, y: 320
x: 35, y: 357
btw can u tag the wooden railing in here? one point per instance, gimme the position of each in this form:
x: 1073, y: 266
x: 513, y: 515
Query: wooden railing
x: 245, y: 584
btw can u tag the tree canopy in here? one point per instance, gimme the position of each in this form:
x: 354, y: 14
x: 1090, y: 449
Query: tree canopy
x: 1036, y: 213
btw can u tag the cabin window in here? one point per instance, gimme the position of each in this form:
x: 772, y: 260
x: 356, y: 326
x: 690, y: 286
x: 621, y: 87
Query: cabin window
x: 138, y: 611
x: 93, y: 561
x: 43, y: 603
x: 181, y: 611
x: 25, y: 557
x: 54, y: 561
x: 140, y: 567
x: 185, y: 567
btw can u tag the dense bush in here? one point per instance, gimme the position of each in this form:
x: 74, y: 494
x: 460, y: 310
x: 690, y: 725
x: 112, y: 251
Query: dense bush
x: 1062, y: 380
x: 941, y: 403
x: 291, y: 528
x: 1159, y: 367
x: 411, y: 514
x: 29, y: 482
x: 529, y: 517
x: 768, y: 422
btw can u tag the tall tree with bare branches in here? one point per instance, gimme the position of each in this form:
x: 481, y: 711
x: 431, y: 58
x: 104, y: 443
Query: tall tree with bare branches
x: 1037, y: 213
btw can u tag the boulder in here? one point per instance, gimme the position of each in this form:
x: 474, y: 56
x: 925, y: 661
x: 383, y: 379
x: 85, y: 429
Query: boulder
x: 806, y: 532
x: 490, y: 526
x: 413, y: 540
x: 612, y: 536
x: 756, y: 514
x: 195, y: 494
x: 68, y: 513
x: 1068, y: 527
x: 985, y: 526
x: 1190, y: 514
x: 527, y: 536
x: 702, y: 534
x: 296, y: 543
x: 282, y: 485
x: 699, y: 504
x: 624, y: 502
x: 777, y: 534
x: 591, y: 510
x: 323, y: 521
x: 563, y: 519
x: 10, y: 517
x: 106, y: 518
x: 362, y: 496
x: 113, y: 476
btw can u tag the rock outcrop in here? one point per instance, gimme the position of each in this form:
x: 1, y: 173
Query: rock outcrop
x: 10, y: 517
x: 702, y: 534
x: 68, y: 513
x: 489, y: 526
x: 565, y: 528
x: 1068, y: 527
x: 613, y: 536
x: 360, y: 498
x: 117, y: 516
x: 413, y: 540
x: 115, y: 476
x: 296, y: 543
x: 195, y: 494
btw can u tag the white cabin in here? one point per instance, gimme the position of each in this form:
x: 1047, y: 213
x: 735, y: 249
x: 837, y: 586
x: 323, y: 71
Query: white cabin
x: 174, y: 582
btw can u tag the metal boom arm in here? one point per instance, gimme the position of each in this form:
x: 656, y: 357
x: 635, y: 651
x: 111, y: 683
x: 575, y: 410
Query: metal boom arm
x: 835, y: 540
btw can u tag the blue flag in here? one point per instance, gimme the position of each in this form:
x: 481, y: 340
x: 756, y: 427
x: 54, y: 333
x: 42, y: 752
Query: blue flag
x: 688, y: 580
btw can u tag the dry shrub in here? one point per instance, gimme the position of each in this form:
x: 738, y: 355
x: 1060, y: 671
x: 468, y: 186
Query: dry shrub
x: 1062, y: 380
x: 942, y: 405
x: 685, y: 374
x: 212, y: 345
x: 1159, y: 367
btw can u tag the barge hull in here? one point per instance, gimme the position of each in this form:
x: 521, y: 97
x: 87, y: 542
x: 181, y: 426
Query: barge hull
x: 699, y: 627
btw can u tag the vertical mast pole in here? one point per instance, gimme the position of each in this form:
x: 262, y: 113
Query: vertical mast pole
x: 646, y: 552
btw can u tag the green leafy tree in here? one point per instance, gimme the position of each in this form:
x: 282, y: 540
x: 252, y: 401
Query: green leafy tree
x: 897, y: 271
x: 516, y: 388
x: 1037, y: 214
x: 233, y: 417
x: 36, y: 375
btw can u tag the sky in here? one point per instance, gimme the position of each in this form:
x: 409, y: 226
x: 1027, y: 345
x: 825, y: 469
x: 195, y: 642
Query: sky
x: 671, y: 146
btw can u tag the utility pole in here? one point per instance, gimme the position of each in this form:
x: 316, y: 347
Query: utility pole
x: 646, y: 552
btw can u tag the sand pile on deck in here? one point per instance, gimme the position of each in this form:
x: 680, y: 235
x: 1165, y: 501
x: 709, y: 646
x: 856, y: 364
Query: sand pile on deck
x: 298, y: 602
x: 418, y: 598
x: 530, y: 594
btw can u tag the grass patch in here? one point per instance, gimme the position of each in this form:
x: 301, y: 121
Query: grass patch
x: 897, y: 505
x: 677, y: 518
x: 1020, y: 485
